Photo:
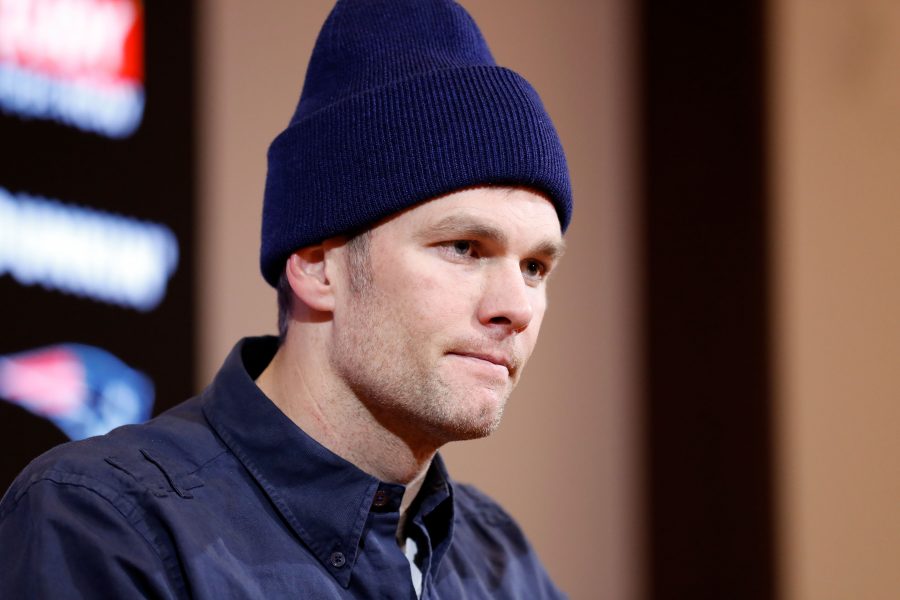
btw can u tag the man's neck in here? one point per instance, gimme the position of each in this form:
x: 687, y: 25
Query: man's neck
x: 298, y: 383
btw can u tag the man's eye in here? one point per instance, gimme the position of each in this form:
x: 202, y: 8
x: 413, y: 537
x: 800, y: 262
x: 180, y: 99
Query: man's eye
x: 533, y: 269
x: 461, y: 248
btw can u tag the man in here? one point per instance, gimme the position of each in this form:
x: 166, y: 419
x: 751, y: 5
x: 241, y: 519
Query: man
x: 414, y: 208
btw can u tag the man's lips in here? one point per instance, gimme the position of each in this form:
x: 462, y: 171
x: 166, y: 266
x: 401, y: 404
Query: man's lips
x: 489, y: 357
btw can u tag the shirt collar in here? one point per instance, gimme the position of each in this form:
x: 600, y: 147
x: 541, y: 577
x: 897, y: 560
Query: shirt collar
x: 324, y: 498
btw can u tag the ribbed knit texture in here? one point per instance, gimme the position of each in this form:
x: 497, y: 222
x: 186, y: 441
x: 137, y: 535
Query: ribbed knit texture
x: 402, y: 102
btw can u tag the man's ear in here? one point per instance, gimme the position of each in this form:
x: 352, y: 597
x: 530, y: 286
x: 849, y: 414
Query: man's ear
x: 308, y: 277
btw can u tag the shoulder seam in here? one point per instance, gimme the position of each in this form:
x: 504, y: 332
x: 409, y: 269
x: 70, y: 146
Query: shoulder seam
x: 129, y: 511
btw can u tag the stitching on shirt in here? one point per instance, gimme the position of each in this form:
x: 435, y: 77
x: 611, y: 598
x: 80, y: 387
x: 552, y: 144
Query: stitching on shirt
x: 182, y: 481
x: 182, y: 492
x: 206, y: 462
x: 116, y: 463
x: 151, y: 484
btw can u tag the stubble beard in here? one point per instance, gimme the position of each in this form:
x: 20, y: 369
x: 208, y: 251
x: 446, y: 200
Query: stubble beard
x: 396, y: 379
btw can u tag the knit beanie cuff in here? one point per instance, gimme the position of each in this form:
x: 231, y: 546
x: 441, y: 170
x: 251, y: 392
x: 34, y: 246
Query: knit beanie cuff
x: 373, y: 154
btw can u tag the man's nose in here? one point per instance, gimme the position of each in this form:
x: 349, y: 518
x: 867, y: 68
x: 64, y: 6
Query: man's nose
x: 507, y: 303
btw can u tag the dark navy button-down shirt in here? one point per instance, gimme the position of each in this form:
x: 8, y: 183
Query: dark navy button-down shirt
x: 225, y: 497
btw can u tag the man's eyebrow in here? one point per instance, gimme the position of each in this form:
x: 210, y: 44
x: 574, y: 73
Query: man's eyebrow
x: 466, y: 226
x: 462, y: 225
x: 553, y: 249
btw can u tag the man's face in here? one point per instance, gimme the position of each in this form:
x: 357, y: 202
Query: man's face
x: 436, y: 337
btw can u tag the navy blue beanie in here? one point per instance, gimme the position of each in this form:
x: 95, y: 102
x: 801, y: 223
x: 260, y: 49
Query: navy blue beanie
x: 402, y: 103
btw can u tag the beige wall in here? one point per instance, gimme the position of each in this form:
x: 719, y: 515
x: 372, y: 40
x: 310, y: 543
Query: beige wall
x: 565, y: 460
x: 836, y: 143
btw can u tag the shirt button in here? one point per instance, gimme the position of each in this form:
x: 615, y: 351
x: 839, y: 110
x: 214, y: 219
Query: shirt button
x: 338, y: 560
x: 381, y: 498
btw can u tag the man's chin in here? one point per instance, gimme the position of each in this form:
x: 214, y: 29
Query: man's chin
x: 459, y: 432
x: 481, y: 420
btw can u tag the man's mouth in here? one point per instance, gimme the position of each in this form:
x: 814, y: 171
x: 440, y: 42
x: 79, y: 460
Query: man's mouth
x: 497, y: 359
